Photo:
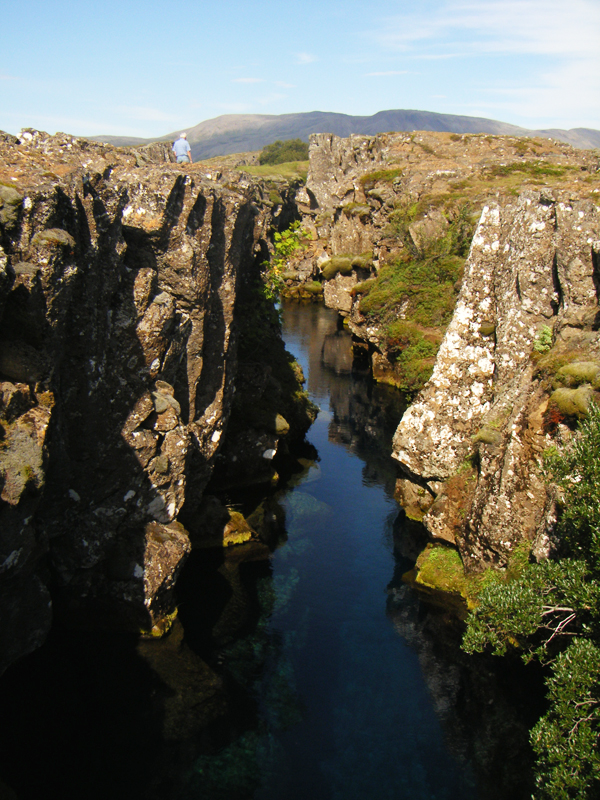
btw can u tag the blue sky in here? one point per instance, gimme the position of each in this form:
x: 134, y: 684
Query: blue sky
x: 148, y: 68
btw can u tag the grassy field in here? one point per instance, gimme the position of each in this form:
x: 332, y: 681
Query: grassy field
x: 292, y: 170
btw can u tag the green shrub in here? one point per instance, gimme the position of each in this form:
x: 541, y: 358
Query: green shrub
x: 286, y: 244
x: 551, y: 612
x: 281, y: 152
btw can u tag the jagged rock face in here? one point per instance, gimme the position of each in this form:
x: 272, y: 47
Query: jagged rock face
x: 354, y: 185
x: 117, y: 367
x: 533, y: 262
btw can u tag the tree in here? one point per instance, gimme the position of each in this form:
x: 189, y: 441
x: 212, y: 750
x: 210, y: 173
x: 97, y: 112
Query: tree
x: 552, y: 612
x: 280, y: 152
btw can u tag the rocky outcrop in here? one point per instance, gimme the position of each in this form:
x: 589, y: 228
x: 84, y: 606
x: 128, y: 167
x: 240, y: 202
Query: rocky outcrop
x: 471, y: 445
x: 473, y: 440
x: 121, y: 276
x: 371, y: 200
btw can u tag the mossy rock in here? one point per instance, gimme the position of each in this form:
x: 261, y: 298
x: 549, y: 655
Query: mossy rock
x: 53, y: 237
x: 363, y: 288
x: 573, y: 402
x: 364, y: 261
x: 289, y: 275
x: 578, y: 373
x: 487, y: 435
x: 360, y: 210
x: 440, y: 568
x: 10, y: 203
x: 313, y: 287
x: 282, y: 426
x: 237, y: 530
x: 487, y: 328
x: 341, y: 264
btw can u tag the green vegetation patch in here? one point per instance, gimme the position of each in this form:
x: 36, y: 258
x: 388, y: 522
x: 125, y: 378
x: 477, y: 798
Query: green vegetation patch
x: 369, y: 180
x: 293, y: 170
x: 341, y: 264
x: 551, y: 612
x: 423, y: 289
x: 415, y: 353
x: 572, y: 402
x: 282, y: 152
x: 532, y: 169
x: 579, y: 372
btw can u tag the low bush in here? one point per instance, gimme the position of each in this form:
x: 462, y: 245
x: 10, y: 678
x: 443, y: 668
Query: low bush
x: 281, y: 152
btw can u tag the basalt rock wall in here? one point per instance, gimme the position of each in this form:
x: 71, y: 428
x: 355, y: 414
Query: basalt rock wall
x: 471, y: 445
x: 120, y: 276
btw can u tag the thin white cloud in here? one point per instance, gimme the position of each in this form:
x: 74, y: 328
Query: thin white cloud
x: 247, y: 80
x: 305, y: 58
x: 390, y: 72
x: 285, y: 85
x: 8, y: 78
x: 568, y: 33
x: 542, y: 27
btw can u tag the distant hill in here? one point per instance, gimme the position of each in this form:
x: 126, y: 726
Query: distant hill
x: 235, y: 133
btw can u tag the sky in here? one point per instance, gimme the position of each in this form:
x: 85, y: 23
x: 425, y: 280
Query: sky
x: 148, y: 68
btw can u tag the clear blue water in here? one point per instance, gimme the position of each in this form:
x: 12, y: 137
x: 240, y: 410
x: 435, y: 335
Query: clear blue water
x: 345, y: 712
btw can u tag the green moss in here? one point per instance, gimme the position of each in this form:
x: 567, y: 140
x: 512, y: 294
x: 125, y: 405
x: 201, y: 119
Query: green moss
x: 425, y: 290
x: 341, y: 264
x: 313, y: 287
x: 543, y: 341
x: 440, y: 567
x: 487, y: 435
x: 534, y: 169
x: 578, y: 372
x: 53, y: 237
x: 573, y: 402
x: 369, y: 180
x: 10, y: 204
x: 363, y: 261
x: 487, y: 328
x: 414, y: 353
x: 364, y: 287
x: 361, y: 210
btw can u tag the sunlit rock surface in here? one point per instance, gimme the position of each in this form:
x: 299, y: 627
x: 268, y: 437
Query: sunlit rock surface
x: 477, y: 431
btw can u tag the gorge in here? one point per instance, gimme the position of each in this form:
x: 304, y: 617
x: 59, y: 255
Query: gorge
x: 145, y: 385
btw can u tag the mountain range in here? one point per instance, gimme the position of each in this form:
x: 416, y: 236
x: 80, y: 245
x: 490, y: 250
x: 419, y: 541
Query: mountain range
x: 236, y: 133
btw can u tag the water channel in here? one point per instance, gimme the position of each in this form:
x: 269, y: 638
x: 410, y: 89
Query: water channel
x: 348, y: 686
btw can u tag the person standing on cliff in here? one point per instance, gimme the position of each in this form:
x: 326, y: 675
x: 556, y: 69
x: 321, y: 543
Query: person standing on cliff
x: 182, y: 150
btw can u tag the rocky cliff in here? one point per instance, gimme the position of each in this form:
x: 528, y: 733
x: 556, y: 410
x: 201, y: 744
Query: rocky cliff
x: 123, y: 278
x: 519, y: 363
x: 516, y: 324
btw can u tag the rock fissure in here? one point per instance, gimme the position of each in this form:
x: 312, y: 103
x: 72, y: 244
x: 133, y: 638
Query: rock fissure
x: 120, y: 295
